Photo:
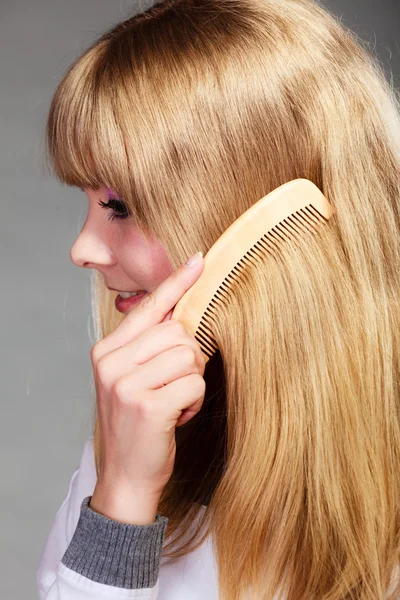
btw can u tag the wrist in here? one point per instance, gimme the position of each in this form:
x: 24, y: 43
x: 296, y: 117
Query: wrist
x: 123, y: 505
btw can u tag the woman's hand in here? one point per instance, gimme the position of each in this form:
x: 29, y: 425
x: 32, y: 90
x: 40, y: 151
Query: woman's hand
x: 149, y: 380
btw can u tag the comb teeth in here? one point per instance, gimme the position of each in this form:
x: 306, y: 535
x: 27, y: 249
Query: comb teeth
x: 287, y: 213
x: 306, y: 220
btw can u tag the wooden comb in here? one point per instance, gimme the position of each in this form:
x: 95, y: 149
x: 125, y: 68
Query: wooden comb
x: 287, y: 212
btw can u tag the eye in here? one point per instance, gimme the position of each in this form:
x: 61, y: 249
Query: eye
x: 118, y: 207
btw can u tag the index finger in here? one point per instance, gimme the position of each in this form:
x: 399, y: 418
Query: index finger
x: 155, y: 306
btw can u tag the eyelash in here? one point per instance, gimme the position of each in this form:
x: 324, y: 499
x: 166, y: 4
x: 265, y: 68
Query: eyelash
x: 112, y: 205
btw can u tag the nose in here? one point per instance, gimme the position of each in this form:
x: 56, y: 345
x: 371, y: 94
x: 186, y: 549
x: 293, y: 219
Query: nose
x: 90, y: 252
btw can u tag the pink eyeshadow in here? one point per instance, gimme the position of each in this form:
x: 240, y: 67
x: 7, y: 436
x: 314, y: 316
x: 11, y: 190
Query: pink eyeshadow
x: 110, y: 193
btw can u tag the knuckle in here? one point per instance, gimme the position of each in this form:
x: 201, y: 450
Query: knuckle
x: 144, y: 410
x: 177, y: 327
x: 121, y: 389
x: 95, y: 353
x: 200, y: 354
x: 139, y: 406
x: 187, y: 355
x: 199, y: 384
x: 100, y: 368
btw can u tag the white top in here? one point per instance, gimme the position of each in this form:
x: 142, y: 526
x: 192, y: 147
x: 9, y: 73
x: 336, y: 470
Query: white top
x: 191, y: 577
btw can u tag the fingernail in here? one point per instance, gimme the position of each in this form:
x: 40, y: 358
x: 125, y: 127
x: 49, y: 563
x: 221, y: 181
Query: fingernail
x: 194, y: 259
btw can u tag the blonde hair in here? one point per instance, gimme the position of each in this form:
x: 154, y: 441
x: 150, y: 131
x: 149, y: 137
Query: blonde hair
x: 194, y: 110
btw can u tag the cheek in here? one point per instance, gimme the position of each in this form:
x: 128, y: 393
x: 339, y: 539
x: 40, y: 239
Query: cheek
x: 162, y: 266
x: 144, y: 260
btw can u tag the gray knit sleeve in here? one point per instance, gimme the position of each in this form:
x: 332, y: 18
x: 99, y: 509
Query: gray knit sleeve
x: 115, y: 553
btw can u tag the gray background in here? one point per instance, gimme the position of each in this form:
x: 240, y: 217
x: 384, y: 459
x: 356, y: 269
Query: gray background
x: 46, y: 329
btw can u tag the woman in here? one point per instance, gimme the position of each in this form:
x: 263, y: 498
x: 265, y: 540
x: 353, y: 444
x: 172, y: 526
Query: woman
x: 284, y: 482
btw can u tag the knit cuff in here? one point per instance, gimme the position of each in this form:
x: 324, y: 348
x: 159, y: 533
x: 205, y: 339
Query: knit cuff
x: 114, y: 553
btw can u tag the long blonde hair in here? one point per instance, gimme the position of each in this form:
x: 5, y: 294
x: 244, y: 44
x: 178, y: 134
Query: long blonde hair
x: 194, y: 110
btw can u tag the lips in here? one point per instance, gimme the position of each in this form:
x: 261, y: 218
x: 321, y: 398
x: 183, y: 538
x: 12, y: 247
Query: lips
x: 124, y: 304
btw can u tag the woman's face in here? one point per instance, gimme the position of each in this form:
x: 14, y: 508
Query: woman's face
x: 127, y: 260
